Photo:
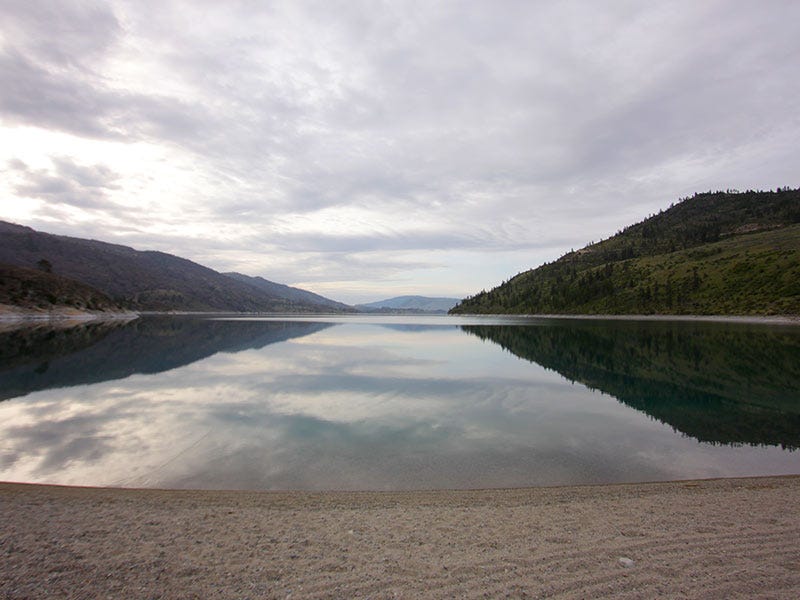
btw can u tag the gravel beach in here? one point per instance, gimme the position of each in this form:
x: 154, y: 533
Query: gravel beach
x: 691, y: 539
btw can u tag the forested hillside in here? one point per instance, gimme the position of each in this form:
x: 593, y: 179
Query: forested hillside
x: 714, y: 253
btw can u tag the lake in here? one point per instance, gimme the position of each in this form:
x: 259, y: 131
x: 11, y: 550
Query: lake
x: 394, y: 403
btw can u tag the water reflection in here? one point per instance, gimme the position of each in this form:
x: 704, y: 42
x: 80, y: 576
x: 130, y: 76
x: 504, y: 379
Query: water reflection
x: 307, y: 405
x: 42, y: 356
x: 719, y: 383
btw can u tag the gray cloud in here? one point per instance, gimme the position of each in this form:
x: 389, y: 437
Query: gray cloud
x: 61, y: 33
x: 520, y: 127
x: 68, y: 183
x: 483, y: 239
x: 32, y: 95
x: 80, y: 105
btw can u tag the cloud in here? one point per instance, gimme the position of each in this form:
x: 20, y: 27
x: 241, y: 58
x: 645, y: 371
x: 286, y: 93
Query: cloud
x: 33, y: 95
x: 68, y: 183
x: 517, y: 127
x: 63, y: 33
x: 50, y: 64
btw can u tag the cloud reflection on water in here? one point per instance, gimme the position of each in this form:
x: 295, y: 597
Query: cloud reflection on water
x: 353, y: 406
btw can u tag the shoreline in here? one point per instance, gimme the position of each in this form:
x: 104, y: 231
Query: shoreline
x: 43, y: 487
x: 693, y: 538
x: 16, y: 314
x: 753, y: 319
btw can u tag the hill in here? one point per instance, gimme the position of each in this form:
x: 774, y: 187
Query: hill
x: 726, y: 253
x: 36, y: 290
x: 139, y: 280
x: 293, y: 294
x: 410, y: 304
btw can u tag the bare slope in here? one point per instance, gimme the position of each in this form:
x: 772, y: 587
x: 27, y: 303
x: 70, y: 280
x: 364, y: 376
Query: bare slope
x: 34, y: 290
x: 140, y: 280
x: 292, y: 294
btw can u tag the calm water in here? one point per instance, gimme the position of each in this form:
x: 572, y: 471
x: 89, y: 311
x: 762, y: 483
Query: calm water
x: 396, y: 403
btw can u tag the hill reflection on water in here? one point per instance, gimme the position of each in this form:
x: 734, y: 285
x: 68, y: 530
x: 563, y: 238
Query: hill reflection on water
x: 40, y: 357
x: 370, y: 404
x: 721, y: 383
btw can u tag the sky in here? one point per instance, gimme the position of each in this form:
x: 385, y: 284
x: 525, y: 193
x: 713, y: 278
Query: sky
x: 367, y: 149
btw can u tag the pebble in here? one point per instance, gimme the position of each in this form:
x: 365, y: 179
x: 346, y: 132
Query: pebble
x: 626, y: 562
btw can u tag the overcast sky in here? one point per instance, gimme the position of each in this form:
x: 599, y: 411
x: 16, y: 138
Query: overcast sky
x: 366, y: 149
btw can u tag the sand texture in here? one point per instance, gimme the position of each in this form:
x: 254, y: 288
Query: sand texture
x: 705, y: 539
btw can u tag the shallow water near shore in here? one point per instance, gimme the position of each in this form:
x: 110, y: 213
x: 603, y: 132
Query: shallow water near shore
x: 391, y: 403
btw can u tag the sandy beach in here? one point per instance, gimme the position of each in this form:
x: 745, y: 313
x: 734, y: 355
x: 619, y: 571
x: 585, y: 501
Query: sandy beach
x: 691, y: 539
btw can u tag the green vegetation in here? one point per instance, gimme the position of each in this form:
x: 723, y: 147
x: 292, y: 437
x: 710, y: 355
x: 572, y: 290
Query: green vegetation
x: 719, y: 383
x: 717, y: 253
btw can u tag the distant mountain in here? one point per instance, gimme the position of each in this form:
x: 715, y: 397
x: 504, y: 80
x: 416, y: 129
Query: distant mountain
x: 410, y: 304
x: 293, y: 294
x: 725, y: 253
x: 36, y: 290
x: 139, y: 280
